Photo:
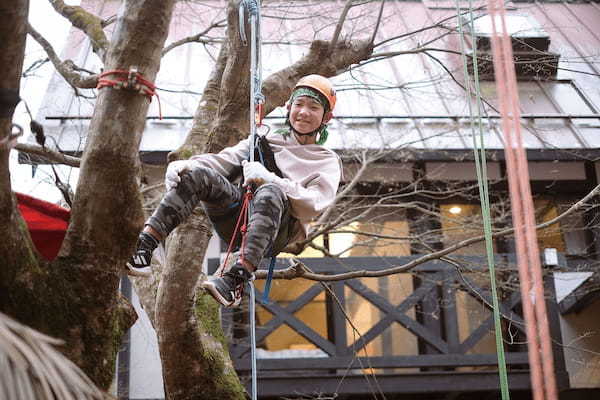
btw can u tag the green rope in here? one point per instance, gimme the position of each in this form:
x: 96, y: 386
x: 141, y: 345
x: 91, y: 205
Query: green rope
x: 482, y: 180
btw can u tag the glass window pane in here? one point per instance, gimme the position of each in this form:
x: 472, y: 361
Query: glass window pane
x: 373, y: 238
x: 312, y: 314
x: 460, y: 222
x: 550, y: 237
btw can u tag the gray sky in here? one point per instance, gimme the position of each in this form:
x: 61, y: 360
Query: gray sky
x: 55, y: 29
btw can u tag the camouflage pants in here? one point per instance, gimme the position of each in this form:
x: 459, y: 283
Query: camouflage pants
x: 267, y: 227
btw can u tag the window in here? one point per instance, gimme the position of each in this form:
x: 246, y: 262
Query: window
x: 460, y: 222
x: 530, y: 44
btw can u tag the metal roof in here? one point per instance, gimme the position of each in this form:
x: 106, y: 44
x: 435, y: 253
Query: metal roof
x: 406, y: 101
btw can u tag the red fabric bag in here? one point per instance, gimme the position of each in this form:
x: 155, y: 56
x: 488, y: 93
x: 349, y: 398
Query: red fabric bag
x: 47, y: 223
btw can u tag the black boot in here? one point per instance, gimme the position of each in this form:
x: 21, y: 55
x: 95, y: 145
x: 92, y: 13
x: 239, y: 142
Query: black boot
x: 140, y: 261
x: 229, y: 288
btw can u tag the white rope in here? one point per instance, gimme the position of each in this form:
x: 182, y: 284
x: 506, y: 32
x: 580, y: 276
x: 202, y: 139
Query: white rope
x: 253, y: 339
x: 256, y: 97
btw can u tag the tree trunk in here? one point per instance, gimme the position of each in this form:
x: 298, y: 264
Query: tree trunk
x: 195, y: 360
x: 13, y: 30
x: 76, y: 296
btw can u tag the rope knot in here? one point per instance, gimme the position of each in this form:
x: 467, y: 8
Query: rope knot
x: 129, y: 80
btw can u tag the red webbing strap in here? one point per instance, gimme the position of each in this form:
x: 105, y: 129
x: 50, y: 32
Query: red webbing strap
x: 131, y: 80
x: 241, y: 227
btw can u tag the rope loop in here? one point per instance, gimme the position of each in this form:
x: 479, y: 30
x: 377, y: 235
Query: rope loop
x: 241, y: 227
x: 129, y: 80
x: 10, y: 141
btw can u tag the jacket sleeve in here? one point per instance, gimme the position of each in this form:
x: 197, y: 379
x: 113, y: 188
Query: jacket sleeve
x: 310, y: 196
x: 227, y: 162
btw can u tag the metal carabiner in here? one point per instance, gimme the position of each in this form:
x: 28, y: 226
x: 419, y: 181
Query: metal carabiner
x: 242, y: 22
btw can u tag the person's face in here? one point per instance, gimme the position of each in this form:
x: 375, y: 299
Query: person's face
x: 306, y: 114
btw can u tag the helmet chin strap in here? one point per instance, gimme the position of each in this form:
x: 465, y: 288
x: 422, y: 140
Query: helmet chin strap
x: 313, y: 133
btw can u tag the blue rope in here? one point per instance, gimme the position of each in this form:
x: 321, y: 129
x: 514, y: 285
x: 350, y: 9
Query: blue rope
x: 265, y: 298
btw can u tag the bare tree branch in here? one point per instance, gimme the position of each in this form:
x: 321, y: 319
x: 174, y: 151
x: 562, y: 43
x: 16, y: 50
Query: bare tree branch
x: 48, y: 154
x: 343, y: 193
x: 298, y: 269
x: 89, y: 23
x: 340, y: 24
x: 439, y: 24
x: 378, y: 22
x: 67, y: 68
x: 197, y: 38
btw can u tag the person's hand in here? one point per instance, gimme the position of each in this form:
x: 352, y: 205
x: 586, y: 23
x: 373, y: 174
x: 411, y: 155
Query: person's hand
x: 256, y: 173
x: 174, y: 168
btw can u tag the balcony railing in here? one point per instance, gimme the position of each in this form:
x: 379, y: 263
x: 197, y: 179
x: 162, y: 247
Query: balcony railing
x: 445, y: 355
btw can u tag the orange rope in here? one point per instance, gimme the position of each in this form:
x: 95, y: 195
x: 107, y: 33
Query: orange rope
x: 540, y: 355
x: 131, y: 80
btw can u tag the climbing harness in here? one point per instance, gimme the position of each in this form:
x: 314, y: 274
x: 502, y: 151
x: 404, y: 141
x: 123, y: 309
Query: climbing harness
x: 129, y: 80
x: 481, y: 169
x: 532, y: 293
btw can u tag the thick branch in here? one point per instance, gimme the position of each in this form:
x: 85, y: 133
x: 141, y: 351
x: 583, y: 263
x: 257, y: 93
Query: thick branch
x: 319, y: 60
x: 340, y: 24
x: 66, y: 68
x: 90, y: 24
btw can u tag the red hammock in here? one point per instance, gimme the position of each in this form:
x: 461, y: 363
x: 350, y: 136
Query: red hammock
x: 47, y: 223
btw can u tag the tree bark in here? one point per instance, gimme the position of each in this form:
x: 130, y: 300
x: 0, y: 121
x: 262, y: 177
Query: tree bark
x: 75, y: 297
x: 197, y: 342
x: 16, y: 249
x: 107, y: 213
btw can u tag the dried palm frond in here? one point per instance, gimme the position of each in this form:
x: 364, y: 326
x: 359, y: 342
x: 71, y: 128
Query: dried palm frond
x: 31, y: 368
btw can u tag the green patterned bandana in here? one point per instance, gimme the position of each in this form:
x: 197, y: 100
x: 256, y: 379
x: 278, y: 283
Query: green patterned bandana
x: 313, y: 94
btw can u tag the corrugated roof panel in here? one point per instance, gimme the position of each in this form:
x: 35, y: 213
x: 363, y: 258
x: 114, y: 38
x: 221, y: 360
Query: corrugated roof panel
x: 396, y: 88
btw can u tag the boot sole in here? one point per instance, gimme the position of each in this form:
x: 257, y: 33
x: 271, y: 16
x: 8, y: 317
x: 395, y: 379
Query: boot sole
x: 134, y: 271
x: 212, y: 290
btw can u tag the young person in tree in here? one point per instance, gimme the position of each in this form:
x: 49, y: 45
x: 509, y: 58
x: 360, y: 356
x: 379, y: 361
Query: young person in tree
x: 288, y: 193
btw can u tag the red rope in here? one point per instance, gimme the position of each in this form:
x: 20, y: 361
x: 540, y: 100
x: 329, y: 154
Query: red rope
x: 241, y: 227
x: 131, y: 80
x: 260, y: 114
x: 543, y: 381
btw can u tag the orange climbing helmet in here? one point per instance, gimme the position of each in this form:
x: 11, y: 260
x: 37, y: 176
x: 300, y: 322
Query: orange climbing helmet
x: 321, y: 85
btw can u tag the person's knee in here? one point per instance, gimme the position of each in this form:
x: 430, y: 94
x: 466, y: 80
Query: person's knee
x: 199, y: 172
x: 271, y: 193
x: 197, y: 178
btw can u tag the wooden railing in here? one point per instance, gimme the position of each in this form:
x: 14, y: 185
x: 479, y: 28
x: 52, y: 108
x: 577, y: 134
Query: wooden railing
x: 444, y: 350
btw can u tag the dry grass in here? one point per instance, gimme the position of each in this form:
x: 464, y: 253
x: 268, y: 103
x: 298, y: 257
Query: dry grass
x: 31, y: 368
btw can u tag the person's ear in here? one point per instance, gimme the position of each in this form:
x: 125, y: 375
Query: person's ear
x: 288, y: 105
x: 327, y: 117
